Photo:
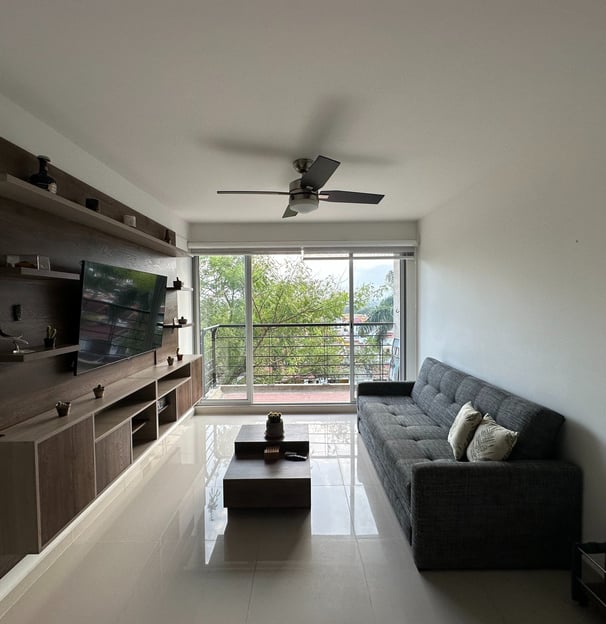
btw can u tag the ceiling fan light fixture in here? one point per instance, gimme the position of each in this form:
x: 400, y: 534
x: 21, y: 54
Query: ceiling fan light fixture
x: 303, y: 204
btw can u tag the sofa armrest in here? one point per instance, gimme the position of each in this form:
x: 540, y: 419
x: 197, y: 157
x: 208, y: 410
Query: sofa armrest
x: 385, y: 388
x: 516, y: 514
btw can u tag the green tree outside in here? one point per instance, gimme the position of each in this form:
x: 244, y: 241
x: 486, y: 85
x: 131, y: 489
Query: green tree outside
x: 284, y: 292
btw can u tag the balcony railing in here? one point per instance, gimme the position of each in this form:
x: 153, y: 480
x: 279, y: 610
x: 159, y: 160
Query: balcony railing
x: 297, y: 353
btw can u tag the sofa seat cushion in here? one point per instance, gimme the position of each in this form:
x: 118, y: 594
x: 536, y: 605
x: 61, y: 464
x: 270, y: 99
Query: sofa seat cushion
x: 398, y: 457
x: 387, y: 405
x: 401, y: 421
x: 428, y: 450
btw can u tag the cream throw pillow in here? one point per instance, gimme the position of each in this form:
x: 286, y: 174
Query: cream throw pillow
x: 462, y: 429
x: 491, y: 442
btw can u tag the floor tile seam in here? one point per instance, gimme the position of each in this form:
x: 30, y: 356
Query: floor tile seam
x: 494, y: 604
x: 250, y: 593
x: 366, y: 583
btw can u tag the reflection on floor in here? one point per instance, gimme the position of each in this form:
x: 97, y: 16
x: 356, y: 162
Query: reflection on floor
x: 166, y: 551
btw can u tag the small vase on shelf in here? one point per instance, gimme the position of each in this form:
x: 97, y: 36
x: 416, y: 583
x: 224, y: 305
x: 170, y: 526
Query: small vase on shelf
x: 42, y: 179
x: 51, y: 337
x: 63, y: 408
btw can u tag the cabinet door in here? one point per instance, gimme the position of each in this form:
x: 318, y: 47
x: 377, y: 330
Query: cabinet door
x: 114, y: 453
x: 66, y: 474
x: 19, y: 499
x: 183, y: 398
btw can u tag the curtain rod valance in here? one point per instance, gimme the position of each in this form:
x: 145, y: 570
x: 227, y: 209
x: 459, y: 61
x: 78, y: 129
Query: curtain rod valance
x: 400, y: 248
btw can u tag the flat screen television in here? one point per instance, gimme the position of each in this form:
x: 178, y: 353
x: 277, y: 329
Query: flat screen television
x: 121, y: 314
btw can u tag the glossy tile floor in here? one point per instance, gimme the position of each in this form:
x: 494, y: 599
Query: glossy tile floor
x: 166, y: 551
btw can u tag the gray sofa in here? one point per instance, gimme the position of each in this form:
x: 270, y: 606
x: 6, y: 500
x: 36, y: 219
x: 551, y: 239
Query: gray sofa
x: 524, y: 512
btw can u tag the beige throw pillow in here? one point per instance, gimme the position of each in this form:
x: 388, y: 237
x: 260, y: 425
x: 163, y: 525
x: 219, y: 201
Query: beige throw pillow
x: 462, y: 429
x: 491, y: 442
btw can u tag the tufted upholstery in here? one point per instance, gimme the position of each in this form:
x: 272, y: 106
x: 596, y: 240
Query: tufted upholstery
x: 438, y: 395
x: 405, y: 428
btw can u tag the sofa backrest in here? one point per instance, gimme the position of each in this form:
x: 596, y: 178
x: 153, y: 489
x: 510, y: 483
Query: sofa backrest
x: 441, y: 390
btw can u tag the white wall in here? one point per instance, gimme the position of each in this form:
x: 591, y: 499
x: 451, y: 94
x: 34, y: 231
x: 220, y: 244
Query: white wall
x: 512, y: 288
x: 23, y: 129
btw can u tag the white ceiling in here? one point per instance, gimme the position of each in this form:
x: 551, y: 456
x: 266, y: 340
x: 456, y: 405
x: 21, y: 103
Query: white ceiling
x: 419, y: 99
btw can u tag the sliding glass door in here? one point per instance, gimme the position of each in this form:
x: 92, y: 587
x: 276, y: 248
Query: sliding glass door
x: 223, y: 322
x: 294, y: 328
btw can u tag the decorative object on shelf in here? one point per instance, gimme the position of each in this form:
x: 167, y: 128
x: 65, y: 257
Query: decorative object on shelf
x: 63, y: 407
x: 92, y: 203
x: 182, y: 321
x: 170, y: 359
x: 168, y: 238
x: 17, y: 312
x: 9, y: 260
x: 177, y: 284
x: 51, y: 337
x: 179, y: 355
x: 16, y: 340
x: 98, y: 391
x: 130, y: 220
x: 274, y: 426
x: 42, y: 179
x: 44, y: 263
x: 24, y: 261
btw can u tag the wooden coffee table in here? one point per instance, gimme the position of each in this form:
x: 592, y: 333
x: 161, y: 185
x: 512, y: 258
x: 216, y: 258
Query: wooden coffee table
x: 251, y: 482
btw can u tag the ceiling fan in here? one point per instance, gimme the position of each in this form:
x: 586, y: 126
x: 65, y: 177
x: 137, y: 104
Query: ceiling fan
x: 304, y: 192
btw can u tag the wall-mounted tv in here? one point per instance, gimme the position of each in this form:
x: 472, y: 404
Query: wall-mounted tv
x: 121, y: 314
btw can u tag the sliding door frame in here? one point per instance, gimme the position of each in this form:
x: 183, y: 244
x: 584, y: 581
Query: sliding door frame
x: 406, y: 302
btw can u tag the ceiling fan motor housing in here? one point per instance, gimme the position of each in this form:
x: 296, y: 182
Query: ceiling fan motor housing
x: 302, y: 200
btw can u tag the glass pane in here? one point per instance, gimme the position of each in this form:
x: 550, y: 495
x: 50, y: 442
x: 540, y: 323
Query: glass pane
x: 222, y: 319
x: 299, y: 350
x: 302, y: 337
x: 376, y: 319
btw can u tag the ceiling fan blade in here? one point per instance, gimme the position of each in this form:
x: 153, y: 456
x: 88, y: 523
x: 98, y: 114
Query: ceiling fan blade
x: 351, y: 197
x: 317, y: 175
x: 289, y: 213
x: 253, y: 193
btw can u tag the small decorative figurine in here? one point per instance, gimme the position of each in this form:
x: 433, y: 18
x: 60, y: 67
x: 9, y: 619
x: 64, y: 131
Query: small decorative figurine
x: 179, y: 355
x: 16, y: 340
x: 63, y: 407
x: 92, y: 203
x: 274, y: 426
x: 177, y: 284
x: 98, y: 391
x: 170, y: 359
x: 51, y: 336
x: 42, y: 179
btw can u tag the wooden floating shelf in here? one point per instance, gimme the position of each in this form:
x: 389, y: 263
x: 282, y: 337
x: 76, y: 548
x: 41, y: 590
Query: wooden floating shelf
x: 179, y: 326
x: 27, y: 273
x: 167, y: 385
x: 26, y: 193
x: 185, y: 288
x: 37, y: 353
x: 138, y: 425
